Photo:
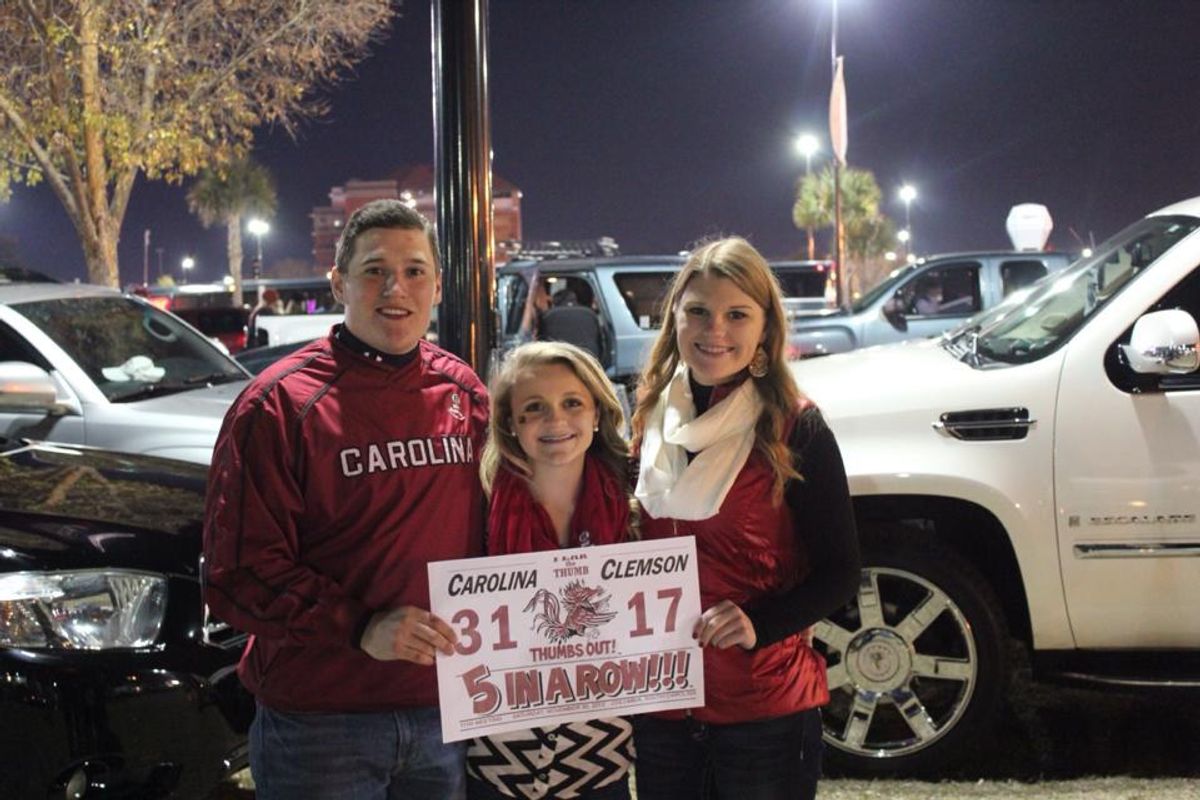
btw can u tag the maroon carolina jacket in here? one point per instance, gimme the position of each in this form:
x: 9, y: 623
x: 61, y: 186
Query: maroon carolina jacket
x: 334, y: 481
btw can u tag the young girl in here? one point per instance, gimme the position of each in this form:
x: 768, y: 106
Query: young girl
x: 730, y: 454
x: 554, y: 467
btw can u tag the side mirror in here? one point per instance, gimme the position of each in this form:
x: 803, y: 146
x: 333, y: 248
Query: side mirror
x: 893, y: 312
x: 26, y: 387
x: 1164, y: 343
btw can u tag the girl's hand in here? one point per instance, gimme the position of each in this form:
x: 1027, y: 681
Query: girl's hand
x: 725, y: 625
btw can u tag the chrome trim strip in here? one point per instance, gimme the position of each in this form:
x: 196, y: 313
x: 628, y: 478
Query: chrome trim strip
x: 1172, y: 683
x: 1138, y: 550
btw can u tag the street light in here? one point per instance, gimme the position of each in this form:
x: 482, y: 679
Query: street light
x: 907, y: 194
x: 258, y: 228
x: 807, y: 145
x: 187, y: 264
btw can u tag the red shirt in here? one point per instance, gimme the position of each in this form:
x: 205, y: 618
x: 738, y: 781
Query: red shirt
x: 335, y: 480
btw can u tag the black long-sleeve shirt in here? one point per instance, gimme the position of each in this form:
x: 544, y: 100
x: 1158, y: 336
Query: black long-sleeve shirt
x: 824, y: 520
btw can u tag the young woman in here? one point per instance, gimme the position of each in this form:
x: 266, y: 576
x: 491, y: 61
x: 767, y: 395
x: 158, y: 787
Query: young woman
x: 731, y: 454
x: 554, y: 466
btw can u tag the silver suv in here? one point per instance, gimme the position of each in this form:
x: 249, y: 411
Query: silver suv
x: 87, y: 365
x: 625, y: 292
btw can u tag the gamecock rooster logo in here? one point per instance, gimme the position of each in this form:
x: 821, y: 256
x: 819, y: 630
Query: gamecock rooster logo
x: 582, y: 609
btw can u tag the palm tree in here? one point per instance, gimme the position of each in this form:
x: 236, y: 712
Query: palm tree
x: 868, y: 231
x: 813, y: 209
x: 227, y: 194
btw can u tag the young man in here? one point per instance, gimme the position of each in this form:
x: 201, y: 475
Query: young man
x: 340, y: 472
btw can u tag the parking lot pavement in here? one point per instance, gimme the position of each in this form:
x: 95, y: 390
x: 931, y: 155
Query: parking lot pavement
x: 1056, y: 732
x: 1056, y: 743
x: 1083, y: 789
x: 1065, y: 743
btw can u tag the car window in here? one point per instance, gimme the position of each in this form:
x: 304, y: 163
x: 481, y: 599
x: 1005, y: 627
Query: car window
x: 129, y: 349
x: 801, y: 282
x: 579, y: 287
x: 886, y: 286
x: 1019, y: 274
x: 950, y: 290
x: 296, y: 296
x: 13, y: 347
x: 214, y: 321
x: 512, y: 291
x: 1058, y: 306
x: 643, y: 293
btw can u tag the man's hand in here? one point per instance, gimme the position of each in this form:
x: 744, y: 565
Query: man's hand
x: 725, y: 625
x: 407, y: 633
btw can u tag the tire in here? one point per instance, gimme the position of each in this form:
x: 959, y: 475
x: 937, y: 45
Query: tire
x: 916, y: 662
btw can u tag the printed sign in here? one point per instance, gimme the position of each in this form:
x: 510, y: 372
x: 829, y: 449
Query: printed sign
x: 545, y: 638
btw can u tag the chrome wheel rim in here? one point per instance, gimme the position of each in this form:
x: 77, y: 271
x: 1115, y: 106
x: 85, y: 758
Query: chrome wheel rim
x: 902, y: 666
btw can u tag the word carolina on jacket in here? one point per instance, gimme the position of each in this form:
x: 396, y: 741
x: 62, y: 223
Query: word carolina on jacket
x: 406, y: 454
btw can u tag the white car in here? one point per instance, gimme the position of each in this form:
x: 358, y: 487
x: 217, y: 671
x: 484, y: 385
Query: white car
x: 1034, y: 474
x: 88, y: 365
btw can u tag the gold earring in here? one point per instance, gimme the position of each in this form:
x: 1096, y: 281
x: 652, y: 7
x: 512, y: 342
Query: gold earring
x: 760, y: 363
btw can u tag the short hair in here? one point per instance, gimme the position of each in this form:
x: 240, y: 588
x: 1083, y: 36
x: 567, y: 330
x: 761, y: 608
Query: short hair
x: 386, y: 213
x: 502, y: 445
x: 565, y: 297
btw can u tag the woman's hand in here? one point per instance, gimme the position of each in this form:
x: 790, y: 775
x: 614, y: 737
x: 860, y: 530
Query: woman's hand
x: 725, y: 625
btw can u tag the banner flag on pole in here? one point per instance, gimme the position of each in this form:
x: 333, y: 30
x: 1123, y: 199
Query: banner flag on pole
x: 837, y: 114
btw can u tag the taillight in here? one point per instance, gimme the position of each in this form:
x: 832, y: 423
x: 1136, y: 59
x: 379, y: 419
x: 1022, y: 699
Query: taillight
x: 162, y: 303
x: 239, y: 341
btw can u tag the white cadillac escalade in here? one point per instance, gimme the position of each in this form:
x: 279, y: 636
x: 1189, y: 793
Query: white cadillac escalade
x: 1033, y: 474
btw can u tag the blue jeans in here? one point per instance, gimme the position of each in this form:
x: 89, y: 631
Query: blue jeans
x: 769, y: 759
x: 377, y: 756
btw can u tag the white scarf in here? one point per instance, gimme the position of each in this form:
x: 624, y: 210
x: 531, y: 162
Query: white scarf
x: 723, y: 436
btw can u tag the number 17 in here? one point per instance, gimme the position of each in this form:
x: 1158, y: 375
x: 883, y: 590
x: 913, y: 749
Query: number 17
x: 637, y: 604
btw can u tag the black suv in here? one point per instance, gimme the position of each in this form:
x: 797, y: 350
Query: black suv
x: 112, y: 682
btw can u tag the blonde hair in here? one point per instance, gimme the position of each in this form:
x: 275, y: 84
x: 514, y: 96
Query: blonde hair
x: 736, y: 260
x: 502, y: 444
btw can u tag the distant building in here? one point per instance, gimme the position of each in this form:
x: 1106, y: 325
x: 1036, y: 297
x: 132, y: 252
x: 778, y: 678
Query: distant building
x: 415, y: 186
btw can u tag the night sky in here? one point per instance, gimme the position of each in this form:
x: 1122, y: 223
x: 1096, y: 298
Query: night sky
x: 657, y: 122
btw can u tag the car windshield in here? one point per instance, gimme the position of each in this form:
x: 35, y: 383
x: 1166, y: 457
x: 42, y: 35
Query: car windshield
x: 883, y: 287
x: 1024, y: 329
x: 128, y: 348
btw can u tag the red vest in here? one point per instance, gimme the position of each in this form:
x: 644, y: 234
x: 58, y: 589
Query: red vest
x: 748, y: 553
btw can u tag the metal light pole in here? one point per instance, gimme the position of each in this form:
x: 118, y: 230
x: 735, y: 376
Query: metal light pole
x: 807, y: 145
x: 463, y: 179
x: 903, y: 238
x: 146, y: 257
x: 907, y: 194
x: 258, y: 228
x: 187, y: 264
x: 837, y: 137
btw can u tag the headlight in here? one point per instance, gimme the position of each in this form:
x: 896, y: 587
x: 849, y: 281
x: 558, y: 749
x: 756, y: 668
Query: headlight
x: 84, y: 610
